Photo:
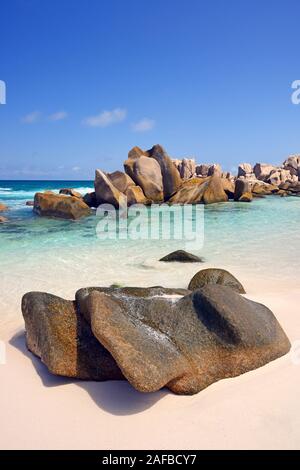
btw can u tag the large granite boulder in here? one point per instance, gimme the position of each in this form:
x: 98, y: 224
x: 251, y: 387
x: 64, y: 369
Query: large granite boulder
x: 229, y: 187
x: 63, y: 340
x: 146, y: 173
x: 106, y: 192
x: 121, y: 180
x: 190, y: 192
x: 281, y: 175
x: 136, y: 152
x: 187, y: 168
x: 292, y: 164
x: 215, y: 276
x: 181, y: 256
x: 170, y: 175
x: 242, y: 186
x: 214, y: 190
x: 202, y: 169
x: 186, y: 344
x: 53, y: 205
x: 245, y: 169
x: 262, y: 171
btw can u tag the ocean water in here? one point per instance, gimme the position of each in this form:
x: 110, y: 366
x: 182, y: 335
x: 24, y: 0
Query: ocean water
x: 259, y: 242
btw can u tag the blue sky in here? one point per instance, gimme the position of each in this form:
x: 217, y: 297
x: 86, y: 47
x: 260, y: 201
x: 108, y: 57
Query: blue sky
x: 88, y: 80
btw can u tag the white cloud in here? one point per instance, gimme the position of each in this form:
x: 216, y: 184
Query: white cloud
x: 143, y: 125
x: 106, y: 118
x: 76, y: 168
x: 59, y: 116
x: 31, y: 117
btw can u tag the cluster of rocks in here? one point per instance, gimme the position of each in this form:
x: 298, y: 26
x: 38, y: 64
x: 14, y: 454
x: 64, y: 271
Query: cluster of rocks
x: 152, y: 177
x: 182, y: 339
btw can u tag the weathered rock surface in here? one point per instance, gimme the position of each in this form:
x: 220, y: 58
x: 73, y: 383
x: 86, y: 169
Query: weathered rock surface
x: 213, y: 190
x: 263, y: 170
x: 146, y: 173
x: 106, y: 192
x: 202, y: 170
x: 214, y: 169
x: 70, y: 192
x: 246, y: 197
x: 190, y: 192
x: 135, y: 195
x: 187, y: 168
x: 170, y: 175
x: 121, y: 181
x: 63, y: 339
x: 182, y: 256
x: 53, y: 205
x: 188, y: 344
x: 229, y: 187
x: 135, y: 152
x: 215, y: 276
x: 292, y: 164
x: 245, y: 169
x: 242, y: 186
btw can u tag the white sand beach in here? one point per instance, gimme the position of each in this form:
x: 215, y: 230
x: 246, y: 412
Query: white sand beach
x: 258, y: 410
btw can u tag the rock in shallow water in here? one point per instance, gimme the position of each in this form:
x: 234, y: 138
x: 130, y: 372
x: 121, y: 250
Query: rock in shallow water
x: 181, y: 256
x: 60, y: 206
x: 156, y: 337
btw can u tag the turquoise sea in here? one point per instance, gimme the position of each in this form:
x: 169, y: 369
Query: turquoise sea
x: 259, y: 242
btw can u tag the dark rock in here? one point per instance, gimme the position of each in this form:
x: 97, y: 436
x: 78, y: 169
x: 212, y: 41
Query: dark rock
x: 215, y: 276
x: 241, y: 187
x: 90, y: 199
x: 54, y: 205
x: 182, y: 256
x: 63, y: 339
x: 30, y: 203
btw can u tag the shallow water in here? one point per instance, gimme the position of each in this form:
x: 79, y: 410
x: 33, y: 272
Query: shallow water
x: 258, y: 242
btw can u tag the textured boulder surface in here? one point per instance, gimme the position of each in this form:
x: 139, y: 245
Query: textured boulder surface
x: 246, y: 197
x: 181, y: 256
x: 63, y: 339
x: 121, y: 181
x: 213, y: 190
x: 262, y: 170
x: 187, y: 168
x: 135, y: 195
x: 170, y: 174
x: 106, y: 192
x: 241, y: 186
x: 185, y: 345
x: 146, y: 173
x: 53, y: 205
x: 90, y: 199
x: 215, y: 276
x: 201, y: 191
x: 154, y: 337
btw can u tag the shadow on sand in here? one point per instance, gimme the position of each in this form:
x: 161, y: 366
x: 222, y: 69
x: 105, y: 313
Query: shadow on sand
x: 116, y: 397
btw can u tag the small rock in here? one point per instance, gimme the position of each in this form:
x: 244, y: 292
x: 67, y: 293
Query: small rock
x: 182, y: 256
x: 70, y: 192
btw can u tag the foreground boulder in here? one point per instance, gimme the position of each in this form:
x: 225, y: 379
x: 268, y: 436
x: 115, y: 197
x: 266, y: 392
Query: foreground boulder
x: 181, y: 256
x: 62, y: 338
x: 201, y: 191
x: 90, y: 199
x: 242, y: 186
x: 185, y: 345
x: 215, y: 276
x: 54, y: 205
x: 154, y: 337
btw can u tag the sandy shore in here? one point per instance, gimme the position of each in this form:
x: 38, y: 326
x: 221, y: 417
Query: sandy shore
x: 257, y: 410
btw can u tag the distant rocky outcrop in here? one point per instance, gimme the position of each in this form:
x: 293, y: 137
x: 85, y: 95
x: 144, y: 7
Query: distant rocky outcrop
x: 61, y: 206
x: 153, y: 337
x: 70, y: 192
